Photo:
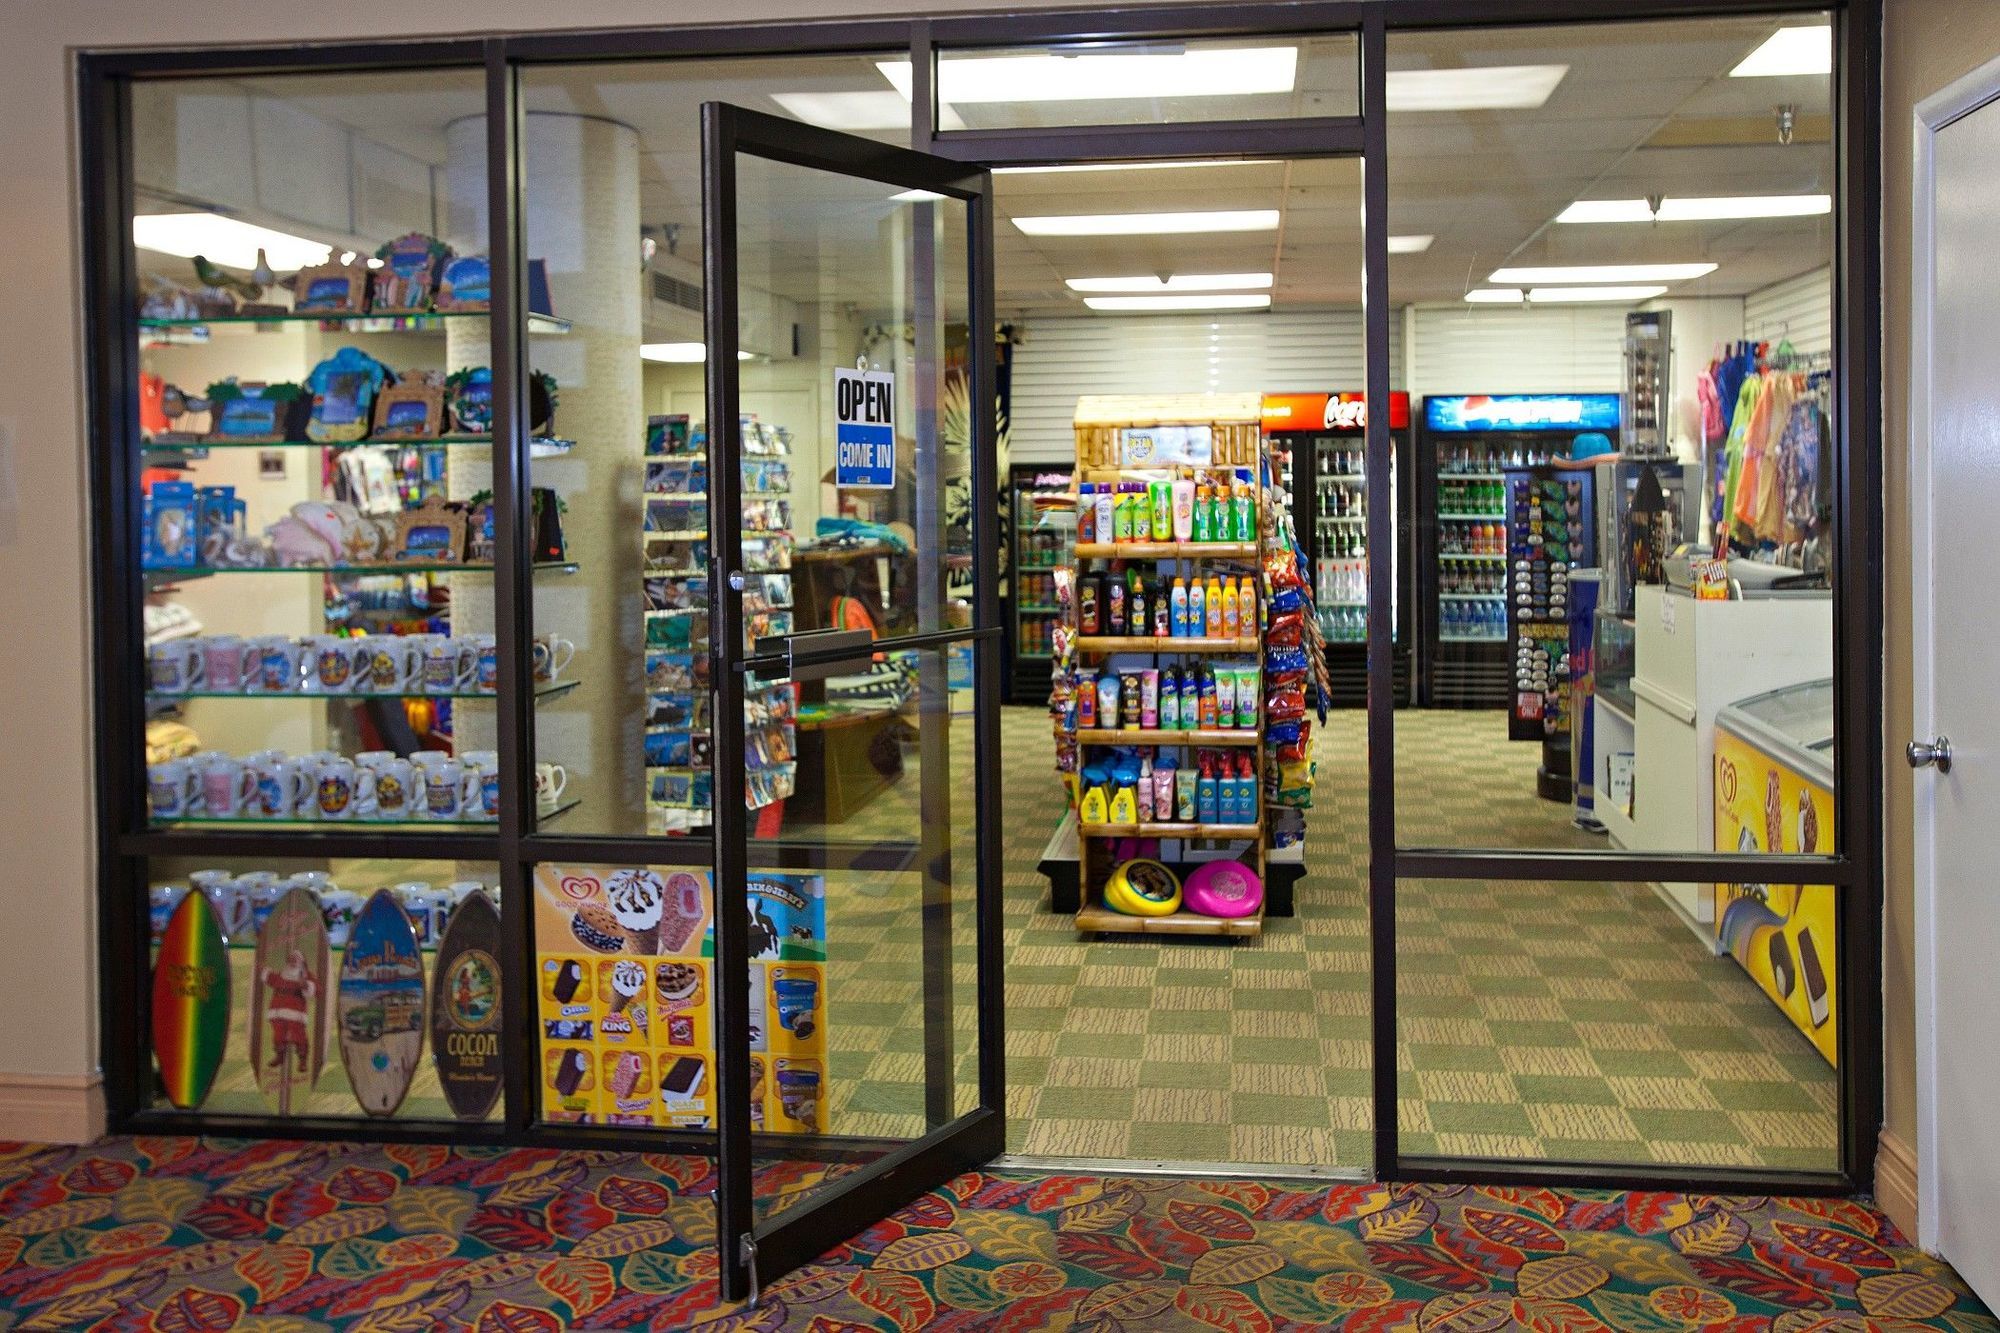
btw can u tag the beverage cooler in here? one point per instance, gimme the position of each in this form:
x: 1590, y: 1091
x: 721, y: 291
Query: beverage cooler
x: 1467, y: 447
x: 1043, y: 533
x: 1320, y: 438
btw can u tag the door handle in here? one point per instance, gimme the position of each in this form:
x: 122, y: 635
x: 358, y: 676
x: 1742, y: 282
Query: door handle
x: 1930, y: 754
x: 830, y: 652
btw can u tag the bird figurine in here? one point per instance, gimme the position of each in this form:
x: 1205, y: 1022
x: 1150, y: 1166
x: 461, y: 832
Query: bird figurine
x: 262, y: 274
x: 212, y: 275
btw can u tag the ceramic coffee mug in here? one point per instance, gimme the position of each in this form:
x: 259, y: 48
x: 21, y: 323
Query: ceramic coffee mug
x: 462, y: 889
x: 395, y: 663
x: 451, y: 791
x: 161, y: 900
x: 341, y: 788
x: 284, y: 789
x: 175, y: 667
x: 550, y: 779
x: 222, y: 657
x: 396, y: 784
x: 174, y: 788
x: 486, y: 675
x: 231, y: 902
x: 338, y: 908
x: 228, y: 787
x: 415, y: 896
x: 337, y: 665
x: 374, y: 760
x: 263, y: 899
x: 278, y: 664
x: 487, y: 770
x: 552, y: 654
x: 449, y: 665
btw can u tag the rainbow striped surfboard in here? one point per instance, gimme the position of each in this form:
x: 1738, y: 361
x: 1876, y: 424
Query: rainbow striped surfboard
x: 191, y: 1002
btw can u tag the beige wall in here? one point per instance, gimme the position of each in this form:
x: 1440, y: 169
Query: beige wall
x: 1928, y: 44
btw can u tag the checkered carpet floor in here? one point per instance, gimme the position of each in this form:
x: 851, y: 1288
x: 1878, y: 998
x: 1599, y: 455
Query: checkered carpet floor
x: 1579, y: 1022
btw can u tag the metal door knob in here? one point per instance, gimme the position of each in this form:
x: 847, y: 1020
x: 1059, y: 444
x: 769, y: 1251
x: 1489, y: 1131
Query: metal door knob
x: 1930, y: 754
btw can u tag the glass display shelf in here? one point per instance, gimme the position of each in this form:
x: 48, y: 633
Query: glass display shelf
x: 356, y: 824
x: 351, y: 571
x: 1476, y: 518
x: 540, y: 446
x: 408, y: 323
x: 544, y: 690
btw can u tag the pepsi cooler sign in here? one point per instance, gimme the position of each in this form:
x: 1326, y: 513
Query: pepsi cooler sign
x: 1522, y: 411
x: 864, y: 432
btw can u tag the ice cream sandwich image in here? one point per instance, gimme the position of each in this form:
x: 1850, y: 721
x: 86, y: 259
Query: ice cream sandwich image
x: 569, y: 976
x: 571, y: 1066
x: 684, y: 1079
x: 1818, y: 999
x: 1783, y: 977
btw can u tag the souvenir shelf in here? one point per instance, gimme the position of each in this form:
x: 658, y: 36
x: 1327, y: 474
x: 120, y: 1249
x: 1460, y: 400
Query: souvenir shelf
x: 679, y: 732
x: 1132, y: 443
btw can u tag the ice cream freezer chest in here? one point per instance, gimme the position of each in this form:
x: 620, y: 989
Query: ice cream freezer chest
x: 1774, y: 793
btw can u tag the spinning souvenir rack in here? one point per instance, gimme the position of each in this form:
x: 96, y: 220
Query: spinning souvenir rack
x: 1179, y: 490
x: 679, y: 731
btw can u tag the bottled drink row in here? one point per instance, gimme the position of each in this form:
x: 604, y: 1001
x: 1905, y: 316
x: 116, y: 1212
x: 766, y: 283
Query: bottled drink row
x: 1472, y: 580
x: 1344, y: 624
x: 1342, y: 581
x: 1186, y: 510
x: 1215, y: 787
x: 1472, y: 497
x: 1223, y: 606
x: 1456, y: 538
x: 1221, y: 696
x: 1493, y: 456
x: 1341, y: 502
x: 1482, y: 621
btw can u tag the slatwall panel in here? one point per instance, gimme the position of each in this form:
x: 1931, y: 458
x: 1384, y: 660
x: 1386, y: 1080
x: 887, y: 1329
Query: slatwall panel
x: 1800, y: 309
x: 1065, y: 358
x: 1517, y: 349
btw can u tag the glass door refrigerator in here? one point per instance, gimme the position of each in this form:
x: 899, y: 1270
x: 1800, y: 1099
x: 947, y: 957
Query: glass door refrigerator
x: 1042, y: 513
x: 1468, y: 445
x: 1323, y: 436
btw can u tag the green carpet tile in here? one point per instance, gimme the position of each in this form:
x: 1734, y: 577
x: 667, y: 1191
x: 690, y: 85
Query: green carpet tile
x: 1579, y: 1022
x: 183, y: 1235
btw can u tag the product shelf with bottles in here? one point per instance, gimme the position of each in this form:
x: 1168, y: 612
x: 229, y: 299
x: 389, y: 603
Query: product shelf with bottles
x: 1161, y: 698
x: 1041, y: 533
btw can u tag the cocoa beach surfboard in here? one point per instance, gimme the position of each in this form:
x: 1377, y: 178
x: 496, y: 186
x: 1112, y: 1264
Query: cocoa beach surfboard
x: 465, y: 1008
x: 288, y: 987
x: 380, y: 1009
x: 191, y: 1002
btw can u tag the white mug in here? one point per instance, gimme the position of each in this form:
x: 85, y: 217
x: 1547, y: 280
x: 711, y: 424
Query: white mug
x: 450, y: 790
x: 338, y: 908
x: 253, y: 879
x: 550, y: 780
x: 486, y: 656
x: 223, y: 662
x: 449, y: 665
x: 284, y: 788
x: 395, y: 663
x: 277, y: 664
x: 552, y: 654
x: 228, y: 787
x: 460, y: 890
x: 161, y: 902
x: 175, y: 667
x: 397, y: 788
x: 174, y: 788
x: 415, y: 896
x: 263, y: 900
x: 231, y: 902
x: 341, y: 789
x: 375, y: 760
x: 337, y: 665
x: 484, y: 765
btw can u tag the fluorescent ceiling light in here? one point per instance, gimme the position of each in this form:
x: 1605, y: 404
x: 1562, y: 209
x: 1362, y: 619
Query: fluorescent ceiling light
x: 1494, y: 296
x: 1789, y: 51
x: 1086, y: 77
x: 916, y: 196
x: 225, y: 241
x: 1602, y: 273
x: 680, y: 354
x: 1135, y: 166
x: 1179, y: 282
x: 1485, y: 88
x: 1717, y: 209
x: 1159, y: 303
x: 873, y: 110
x: 1564, y: 295
x: 1410, y: 245
x: 1150, y: 224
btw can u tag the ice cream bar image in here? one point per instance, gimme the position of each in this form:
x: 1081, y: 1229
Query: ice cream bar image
x: 681, y: 913
x: 570, y: 1067
x: 625, y: 1075
x: 628, y: 979
x: 1783, y: 978
x: 1818, y: 1000
x: 568, y: 977
x: 684, y: 1079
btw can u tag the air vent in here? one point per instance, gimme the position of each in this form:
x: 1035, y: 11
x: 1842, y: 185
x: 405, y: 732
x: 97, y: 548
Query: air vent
x: 673, y: 291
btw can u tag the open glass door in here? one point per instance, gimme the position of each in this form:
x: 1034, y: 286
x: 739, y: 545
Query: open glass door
x: 856, y: 683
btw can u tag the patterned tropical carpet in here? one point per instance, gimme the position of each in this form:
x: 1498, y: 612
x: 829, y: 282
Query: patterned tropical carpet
x: 175, y: 1235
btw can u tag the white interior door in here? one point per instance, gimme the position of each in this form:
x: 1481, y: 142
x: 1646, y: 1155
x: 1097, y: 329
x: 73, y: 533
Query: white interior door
x: 1954, y: 507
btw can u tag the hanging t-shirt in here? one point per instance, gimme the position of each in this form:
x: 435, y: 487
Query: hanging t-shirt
x: 1755, y: 496
x: 1739, y: 429
x: 1799, y: 472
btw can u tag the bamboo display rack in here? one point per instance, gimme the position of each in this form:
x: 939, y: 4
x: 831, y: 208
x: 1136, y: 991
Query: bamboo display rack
x: 1235, y: 427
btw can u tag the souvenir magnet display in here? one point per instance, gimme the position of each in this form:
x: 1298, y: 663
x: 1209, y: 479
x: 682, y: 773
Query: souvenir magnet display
x: 288, y: 987
x: 331, y: 289
x: 465, y: 1008
x: 412, y: 408
x: 408, y: 276
x: 191, y: 1002
x: 381, y: 1005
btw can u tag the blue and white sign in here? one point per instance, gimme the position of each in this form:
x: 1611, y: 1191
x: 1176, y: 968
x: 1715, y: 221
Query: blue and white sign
x: 864, y: 432
x: 1523, y: 411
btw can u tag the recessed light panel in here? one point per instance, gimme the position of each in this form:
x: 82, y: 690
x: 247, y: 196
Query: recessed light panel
x: 1150, y: 224
x: 1789, y: 51
x: 1494, y: 296
x: 1485, y: 88
x: 1578, y: 295
x: 1714, y: 209
x: 1410, y: 245
x: 1134, y: 166
x: 225, y: 241
x: 1179, y: 282
x: 1156, y: 304
x: 1601, y: 273
x: 1106, y: 76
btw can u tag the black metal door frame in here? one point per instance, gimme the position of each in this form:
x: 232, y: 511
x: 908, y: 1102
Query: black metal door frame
x: 124, y: 842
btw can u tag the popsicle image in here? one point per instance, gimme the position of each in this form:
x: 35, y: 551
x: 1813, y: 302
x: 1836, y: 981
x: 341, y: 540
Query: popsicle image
x: 682, y: 911
x: 625, y: 1075
x: 569, y: 975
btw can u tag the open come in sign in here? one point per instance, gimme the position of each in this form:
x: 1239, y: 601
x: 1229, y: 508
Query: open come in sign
x: 864, y: 437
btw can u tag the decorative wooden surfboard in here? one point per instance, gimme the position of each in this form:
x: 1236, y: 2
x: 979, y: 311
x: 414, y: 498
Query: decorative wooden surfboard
x: 191, y: 1002
x: 288, y: 987
x: 380, y: 1008
x: 465, y: 1008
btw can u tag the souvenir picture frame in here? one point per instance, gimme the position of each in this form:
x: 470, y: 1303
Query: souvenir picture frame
x: 481, y: 533
x: 465, y: 285
x: 344, y: 409
x: 433, y: 532
x: 331, y: 289
x: 469, y: 396
x: 253, y: 413
x: 410, y: 409
x: 408, y: 278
